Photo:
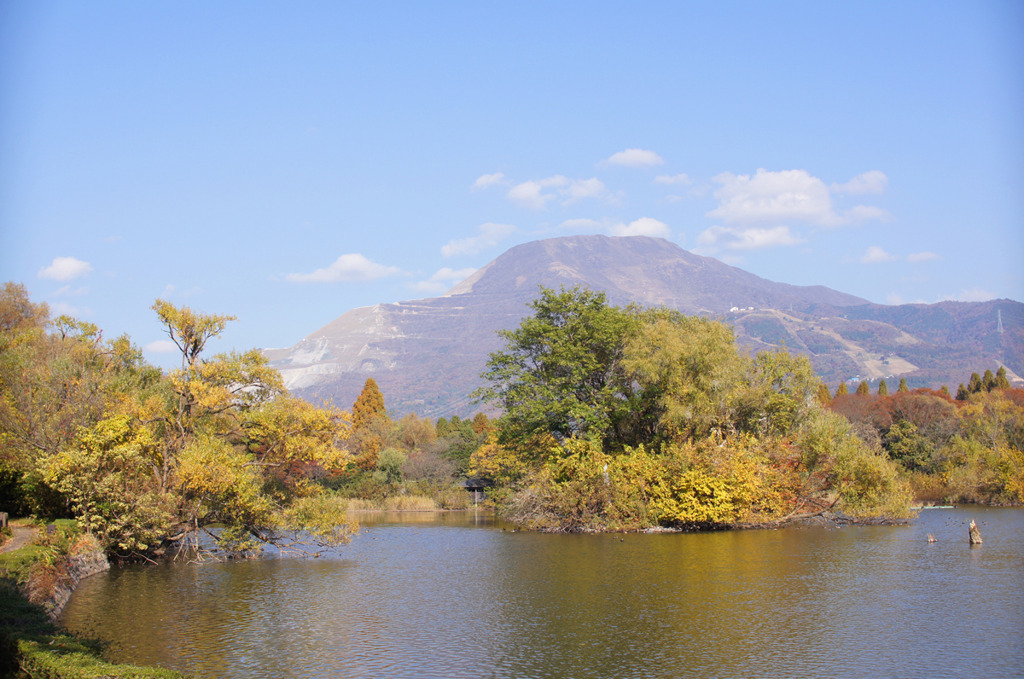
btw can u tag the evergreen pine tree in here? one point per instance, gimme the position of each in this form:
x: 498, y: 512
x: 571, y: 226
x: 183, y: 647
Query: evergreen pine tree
x: 961, y: 393
x: 824, y: 397
x: 841, y: 390
x: 369, y: 406
x: 1001, y: 381
x: 369, y: 424
x: 863, y: 389
x: 975, y: 385
x: 903, y: 388
x: 883, y: 388
x: 988, y: 380
x: 945, y: 391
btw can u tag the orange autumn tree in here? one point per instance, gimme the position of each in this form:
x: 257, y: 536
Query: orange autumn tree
x: 370, y: 425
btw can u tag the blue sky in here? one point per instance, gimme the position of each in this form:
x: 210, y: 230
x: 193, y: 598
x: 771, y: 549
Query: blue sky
x: 287, y: 162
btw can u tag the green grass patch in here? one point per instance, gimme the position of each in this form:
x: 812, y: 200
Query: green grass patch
x: 31, y: 645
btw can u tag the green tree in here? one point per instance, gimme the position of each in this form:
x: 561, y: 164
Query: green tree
x: 824, y: 396
x: 905, y: 444
x: 560, y: 372
x: 1001, y: 382
x: 975, y: 384
x: 456, y: 441
x: 779, y: 393
x: 988, y: 380
x: 841, y: 390
x: 961, y: 393
x: 903, y: 388
x: 863, y: 389
x: 883, y: 388
x: 389, y: 466
x: 690, y: 375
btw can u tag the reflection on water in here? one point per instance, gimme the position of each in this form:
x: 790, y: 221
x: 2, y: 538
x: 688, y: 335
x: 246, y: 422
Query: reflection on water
x: 452, y: 595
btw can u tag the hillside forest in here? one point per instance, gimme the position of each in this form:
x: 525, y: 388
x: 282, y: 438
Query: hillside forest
x: 612, y: 419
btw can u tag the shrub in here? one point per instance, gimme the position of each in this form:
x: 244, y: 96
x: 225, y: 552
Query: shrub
x: 870, y: 485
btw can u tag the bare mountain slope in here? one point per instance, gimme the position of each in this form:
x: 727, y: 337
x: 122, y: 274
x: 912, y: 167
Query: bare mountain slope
x: 427, y: 354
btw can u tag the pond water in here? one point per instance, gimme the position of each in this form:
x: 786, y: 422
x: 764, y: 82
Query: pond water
x: 453, y: 595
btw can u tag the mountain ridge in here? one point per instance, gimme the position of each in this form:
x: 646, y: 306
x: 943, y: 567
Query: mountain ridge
x: 427, y: 354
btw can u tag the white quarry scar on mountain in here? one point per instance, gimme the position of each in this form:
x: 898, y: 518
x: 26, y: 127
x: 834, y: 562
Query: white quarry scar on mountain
x: 348, y: 344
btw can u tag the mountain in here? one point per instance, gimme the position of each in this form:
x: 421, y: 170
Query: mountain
x: 427, y: 354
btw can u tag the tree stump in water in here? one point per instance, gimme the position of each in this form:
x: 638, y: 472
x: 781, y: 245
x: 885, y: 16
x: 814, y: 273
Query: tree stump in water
x: 974, y: 533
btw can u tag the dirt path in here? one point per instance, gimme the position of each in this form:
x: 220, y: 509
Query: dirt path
x: 22, y: 534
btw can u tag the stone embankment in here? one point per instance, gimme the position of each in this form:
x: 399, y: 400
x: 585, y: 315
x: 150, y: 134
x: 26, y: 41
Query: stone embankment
x: 73, y: 571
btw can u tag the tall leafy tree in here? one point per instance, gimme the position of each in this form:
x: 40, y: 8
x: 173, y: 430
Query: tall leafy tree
x: 689, y: 372
x: 863, y: 389
x: 779, y: 392
x: 883, y: 388
x: 56, y: 378
x: 371, y: 425
x: 561, y: 373
x: 903, y: 388
x: 210, y: 394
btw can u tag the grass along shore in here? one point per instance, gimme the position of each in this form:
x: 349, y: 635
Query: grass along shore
x: 32, y: 644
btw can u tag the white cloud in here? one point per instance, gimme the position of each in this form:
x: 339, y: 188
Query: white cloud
x: 488, y: 180
x: 864, y: 213
x: 535, y: 194
x: 452, y: 275
x: 634, y: 158
x: 773, y: 196
x: 490, y: 235
x: 894, y: 298
x: 64, y: 269
x: 674, y: 179
x: 973, y: 295
x: 645, y: 226
x: 922, y: 256
x: 443, y: 279
x: 737, y: 238
x: 579, y: 189
x: 792, y: 195
x: 873, y: 181
x: 876, y: 254
x: 529, y: 194
x: 350, y: 267
x: 161, y: 347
